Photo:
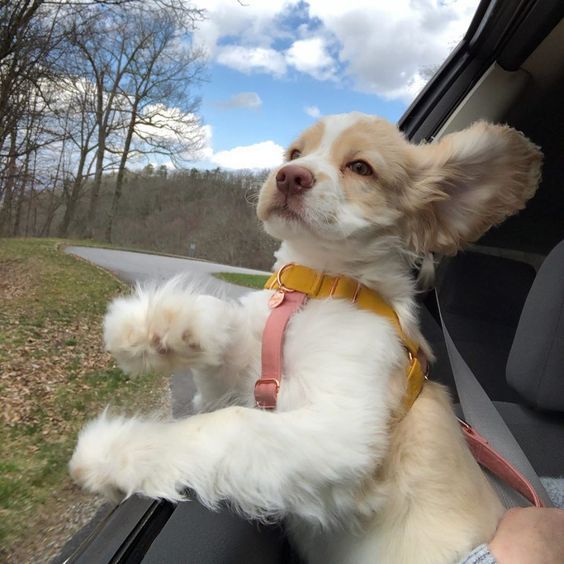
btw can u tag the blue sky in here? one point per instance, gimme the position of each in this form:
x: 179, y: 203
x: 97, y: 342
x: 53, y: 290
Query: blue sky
x: 275, y: 66
x: 282, y: 113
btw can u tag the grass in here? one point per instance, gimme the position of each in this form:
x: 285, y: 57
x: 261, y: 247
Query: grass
x: 248, y: 280
x: 54, y: 375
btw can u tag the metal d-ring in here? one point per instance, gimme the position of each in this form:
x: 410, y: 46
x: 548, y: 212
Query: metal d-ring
x: 279, y: 278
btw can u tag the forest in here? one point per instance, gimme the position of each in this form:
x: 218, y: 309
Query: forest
x: 94, y: 94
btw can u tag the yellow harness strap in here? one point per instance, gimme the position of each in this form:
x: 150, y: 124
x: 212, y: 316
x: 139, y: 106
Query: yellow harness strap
x: 317, y: 285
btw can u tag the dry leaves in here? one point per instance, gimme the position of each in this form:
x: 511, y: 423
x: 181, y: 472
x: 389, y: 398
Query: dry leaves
x: 54, y: 374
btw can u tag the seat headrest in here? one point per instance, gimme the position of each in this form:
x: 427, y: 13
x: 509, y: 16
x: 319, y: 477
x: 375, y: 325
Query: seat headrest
x: 467, y: 289
x: 535, y: 367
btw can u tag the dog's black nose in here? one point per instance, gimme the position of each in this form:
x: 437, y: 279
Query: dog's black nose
x: 293, y: 179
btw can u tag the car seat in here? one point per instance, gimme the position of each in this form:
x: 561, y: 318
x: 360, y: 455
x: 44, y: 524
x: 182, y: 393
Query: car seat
x: 535, y: 370
x: 508, y: 324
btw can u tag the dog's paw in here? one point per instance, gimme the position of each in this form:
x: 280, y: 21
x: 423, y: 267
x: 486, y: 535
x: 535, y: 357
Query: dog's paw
x: 117, y: 457
x: 100, y: 463
x: 166, y: 329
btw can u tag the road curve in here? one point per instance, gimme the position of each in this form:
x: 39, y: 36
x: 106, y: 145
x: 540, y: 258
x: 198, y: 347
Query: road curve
x: 140, y: 267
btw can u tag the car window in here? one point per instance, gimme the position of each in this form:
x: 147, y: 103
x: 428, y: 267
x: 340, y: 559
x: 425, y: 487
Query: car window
x: 134, y: 126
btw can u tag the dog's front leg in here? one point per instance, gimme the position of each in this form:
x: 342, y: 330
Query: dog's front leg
x: 173, y: 328
x: 266, y: 464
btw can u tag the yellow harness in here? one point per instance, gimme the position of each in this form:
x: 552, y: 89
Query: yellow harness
x: 317, y: 285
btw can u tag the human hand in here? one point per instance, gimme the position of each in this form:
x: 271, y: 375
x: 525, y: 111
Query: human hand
x: 529, y: 536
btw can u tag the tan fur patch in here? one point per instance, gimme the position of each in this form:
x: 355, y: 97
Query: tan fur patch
x: 309, y: 140
x: 466, y: 183
x: 382, y: 146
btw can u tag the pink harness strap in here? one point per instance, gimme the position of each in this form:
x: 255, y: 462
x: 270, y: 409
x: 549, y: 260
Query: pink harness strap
x: 497, y: 465
x: 283, y: 305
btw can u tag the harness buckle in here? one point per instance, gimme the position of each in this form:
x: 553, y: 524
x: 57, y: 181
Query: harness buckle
x: 266, y: 392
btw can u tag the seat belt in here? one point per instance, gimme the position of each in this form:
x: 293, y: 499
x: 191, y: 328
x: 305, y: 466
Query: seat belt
x: 479, y: 411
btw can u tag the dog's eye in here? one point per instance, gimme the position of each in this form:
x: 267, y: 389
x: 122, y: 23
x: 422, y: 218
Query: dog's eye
x: 360, y: 167
x: 295, y: 154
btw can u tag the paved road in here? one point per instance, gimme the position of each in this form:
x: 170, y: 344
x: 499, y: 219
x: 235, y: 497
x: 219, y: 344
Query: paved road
x: 140, y: 267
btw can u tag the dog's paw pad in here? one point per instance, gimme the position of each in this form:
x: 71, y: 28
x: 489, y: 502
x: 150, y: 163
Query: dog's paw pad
x: 158, y: 345
x: 191, y: 341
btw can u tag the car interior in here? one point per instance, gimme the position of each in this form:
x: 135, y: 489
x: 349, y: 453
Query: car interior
x: 502, y: 299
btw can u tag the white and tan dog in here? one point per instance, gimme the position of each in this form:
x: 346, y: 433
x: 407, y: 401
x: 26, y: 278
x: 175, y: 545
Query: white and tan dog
x: 354, y: 483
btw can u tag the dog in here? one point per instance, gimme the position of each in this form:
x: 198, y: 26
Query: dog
x: 355, y: 477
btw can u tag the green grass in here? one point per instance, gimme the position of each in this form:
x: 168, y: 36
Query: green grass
x: 247, y: 280
x: 54, y: 375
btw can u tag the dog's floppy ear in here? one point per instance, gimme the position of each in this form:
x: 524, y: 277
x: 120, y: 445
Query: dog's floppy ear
x: 467, y: 182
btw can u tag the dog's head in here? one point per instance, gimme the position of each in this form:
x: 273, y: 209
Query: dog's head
x: 355, y: 176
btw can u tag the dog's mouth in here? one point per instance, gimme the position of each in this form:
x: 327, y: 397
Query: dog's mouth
x: 286, y: 212
x: 288, y: 208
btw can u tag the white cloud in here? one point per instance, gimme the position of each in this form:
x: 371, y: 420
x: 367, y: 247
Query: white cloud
x: 166, y: 122
x: 252, y: 23
x: 313, y: 111
x: 248, y: 59
x: 206, y: 152
x: 267, y: 154
x: 311, y: 56
x: 383, y: 47
x: 250, y: 100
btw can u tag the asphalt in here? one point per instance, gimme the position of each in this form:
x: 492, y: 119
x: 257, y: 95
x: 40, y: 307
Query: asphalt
x: 140, y: 267
x: 133, y: 267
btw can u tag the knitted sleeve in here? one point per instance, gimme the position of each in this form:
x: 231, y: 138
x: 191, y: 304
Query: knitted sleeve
x: 480, y: 555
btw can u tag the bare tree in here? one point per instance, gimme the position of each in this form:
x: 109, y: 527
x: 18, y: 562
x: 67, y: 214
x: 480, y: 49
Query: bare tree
x: 34, y: 44
x: 8, y: 182
x: 113, y: 42
x: 26, y: 177
x: 24, y: 45
x: 80, y: 122
x: 161, y: 112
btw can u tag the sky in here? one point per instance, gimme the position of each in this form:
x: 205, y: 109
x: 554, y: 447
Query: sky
x: 275, y: 66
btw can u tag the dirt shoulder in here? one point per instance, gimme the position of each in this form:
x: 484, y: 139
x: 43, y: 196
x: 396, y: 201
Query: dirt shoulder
x: 54, y: 375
